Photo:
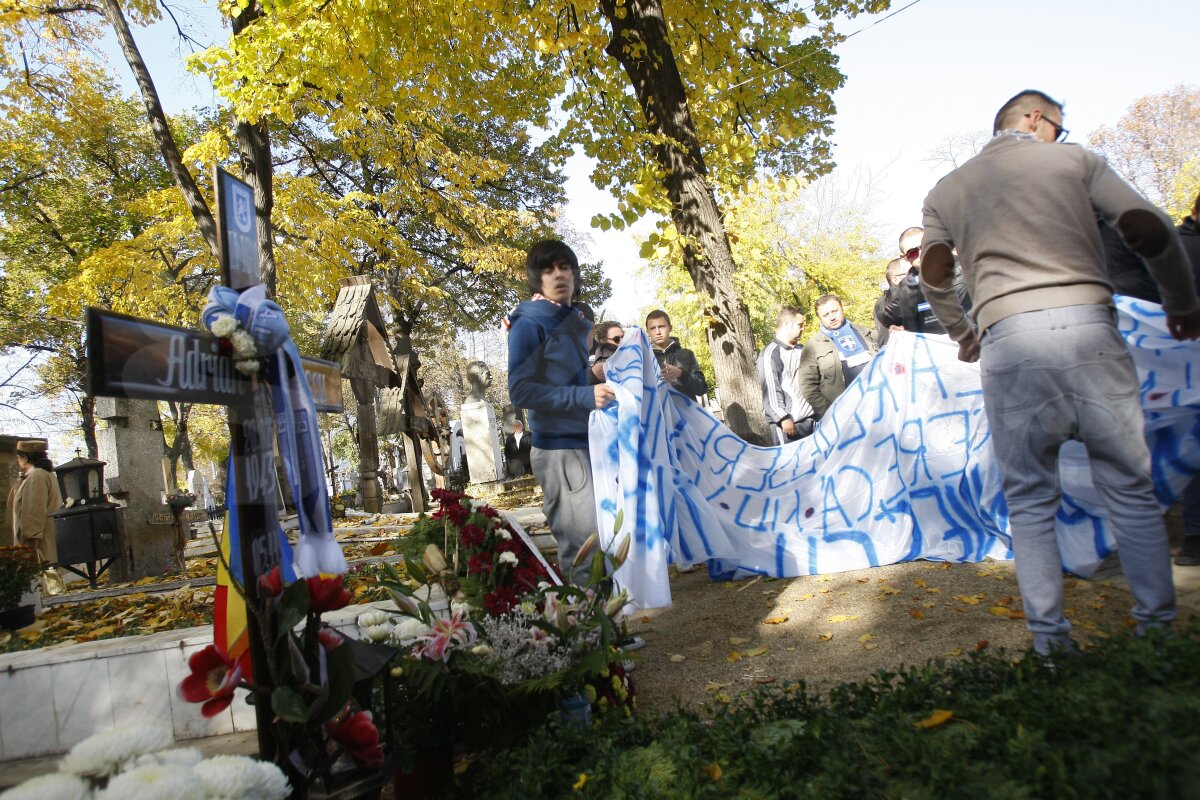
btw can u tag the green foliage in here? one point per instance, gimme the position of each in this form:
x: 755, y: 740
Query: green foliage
x: 1122, y: 720
x: 18, y: 568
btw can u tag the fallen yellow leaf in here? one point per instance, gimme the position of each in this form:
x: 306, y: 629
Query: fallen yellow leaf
x: 678, y: 658
x: 1005, y: 601
x: 755, y: 652
x: 916, y: 613
x: 870, y: 646
x: 919, y: 583
x: 775, y: 620
x: 724, y: 698
x: 969, y: 599
x: 738, y: 640
x: 714, y: 686
x: 843, y: 617
x: 733, y: 656
x: 866, y: 637
x: 955, y: 652
x: 999, y: 611
x: 940, y: 716
x: 825, y: 637
x: 713, y: 771
x: 804, y: 597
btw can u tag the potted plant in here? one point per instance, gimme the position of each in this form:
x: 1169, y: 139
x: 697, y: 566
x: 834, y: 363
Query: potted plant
x: 19, y: 569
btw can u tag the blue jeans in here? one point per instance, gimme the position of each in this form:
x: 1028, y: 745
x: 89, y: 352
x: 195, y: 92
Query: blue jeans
x: 1059, y: 374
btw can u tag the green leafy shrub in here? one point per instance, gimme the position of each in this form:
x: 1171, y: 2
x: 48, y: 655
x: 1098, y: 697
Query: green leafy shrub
x: 18, y: 568
x: 1121, y: 720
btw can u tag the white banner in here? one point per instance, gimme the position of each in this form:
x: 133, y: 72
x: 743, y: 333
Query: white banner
x: 900, y: 468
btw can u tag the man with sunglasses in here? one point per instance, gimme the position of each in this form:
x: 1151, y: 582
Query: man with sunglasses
x: 607, y: 339
x: 906, y: 307
x: 1022, y: 214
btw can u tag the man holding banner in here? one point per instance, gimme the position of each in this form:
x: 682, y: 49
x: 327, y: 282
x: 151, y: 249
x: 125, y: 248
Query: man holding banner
x: 1054, y: 367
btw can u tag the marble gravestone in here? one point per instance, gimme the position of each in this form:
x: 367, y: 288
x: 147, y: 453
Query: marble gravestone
x: 479, y: 427
x: 132, y: 444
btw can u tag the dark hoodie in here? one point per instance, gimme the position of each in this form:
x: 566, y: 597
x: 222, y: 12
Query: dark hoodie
x: 548, y: 373
x: 692, y: 382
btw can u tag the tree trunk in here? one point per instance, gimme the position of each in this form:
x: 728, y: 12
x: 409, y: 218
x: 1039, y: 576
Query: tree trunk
x: 254, y: 146
x: 707, y: 257
x: 87, y: 413
x: 162, y: 130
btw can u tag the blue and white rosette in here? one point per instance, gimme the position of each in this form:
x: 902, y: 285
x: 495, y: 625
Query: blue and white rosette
x: 295, y: 419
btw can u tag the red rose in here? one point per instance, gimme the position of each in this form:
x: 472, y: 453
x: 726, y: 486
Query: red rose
x: 326, y: 593
x: 357, y: 733
x: 212, y: 682
x: 271, y: 584
x: 500, y: 601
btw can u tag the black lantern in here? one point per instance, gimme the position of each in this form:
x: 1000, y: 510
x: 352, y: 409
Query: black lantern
x: 85, y: 529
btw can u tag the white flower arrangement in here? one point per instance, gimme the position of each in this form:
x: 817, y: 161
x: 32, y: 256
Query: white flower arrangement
x: 508, y: 557
x: 133, y: 762
x: 245, y: 353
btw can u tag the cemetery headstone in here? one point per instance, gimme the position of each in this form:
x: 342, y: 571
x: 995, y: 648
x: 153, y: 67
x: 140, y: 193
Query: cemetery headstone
x: 479, y: 427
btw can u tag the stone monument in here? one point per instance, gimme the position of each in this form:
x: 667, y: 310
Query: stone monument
x: 132, y: 444
x: 479, y: 427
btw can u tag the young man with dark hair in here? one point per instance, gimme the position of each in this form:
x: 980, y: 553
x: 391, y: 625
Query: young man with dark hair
x: 548, y: 375
x: 1022, y: 214
x: 791, y: 416
x: 678, y: 364
x: 834, y: 355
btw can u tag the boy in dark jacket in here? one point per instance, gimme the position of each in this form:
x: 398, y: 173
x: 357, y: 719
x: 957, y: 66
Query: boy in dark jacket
x: 548, y: 341
x: 678, y: 364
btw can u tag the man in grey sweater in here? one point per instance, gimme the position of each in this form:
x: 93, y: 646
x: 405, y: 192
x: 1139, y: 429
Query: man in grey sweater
x: 1022, y: 214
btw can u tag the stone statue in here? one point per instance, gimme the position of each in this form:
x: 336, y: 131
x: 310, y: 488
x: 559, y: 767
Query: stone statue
x: 479, y: 378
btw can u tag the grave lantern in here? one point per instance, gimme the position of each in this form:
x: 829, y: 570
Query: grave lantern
x: 85, y: 528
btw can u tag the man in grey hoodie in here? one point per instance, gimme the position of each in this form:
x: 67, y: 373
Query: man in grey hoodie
x: 1022, y: 214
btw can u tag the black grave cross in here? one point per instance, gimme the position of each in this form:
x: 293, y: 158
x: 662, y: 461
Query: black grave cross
x: 140, y: 359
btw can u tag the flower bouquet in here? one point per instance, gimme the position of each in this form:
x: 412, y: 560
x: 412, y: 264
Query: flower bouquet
x: 505, y: 646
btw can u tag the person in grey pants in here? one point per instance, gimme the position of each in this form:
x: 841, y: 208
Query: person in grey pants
x: 548, y: 342
x: 1022, y: 214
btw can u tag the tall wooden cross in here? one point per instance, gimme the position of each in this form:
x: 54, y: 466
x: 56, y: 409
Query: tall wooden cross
x: 140, y: 359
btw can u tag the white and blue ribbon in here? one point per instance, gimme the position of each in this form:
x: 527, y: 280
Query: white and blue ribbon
x: 295, y: 421
x: 900, y: 468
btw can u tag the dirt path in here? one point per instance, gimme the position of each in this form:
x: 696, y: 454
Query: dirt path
x: 719, y: 639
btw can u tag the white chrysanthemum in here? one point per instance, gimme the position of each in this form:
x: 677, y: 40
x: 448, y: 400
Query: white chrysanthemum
x: 377, y: 633
x: 460, y: 607
x: 481, y: 649
x: 239, y: 776
x: 508, y: 558
x: 183, y: 756
x: 154, y: 782
x: 55, y: 786
x: 408, y: 629
x: 224, y: 325
x: 105, y: 752
x: 247, y: 366
x: 503, y: 534
x: 370, y: 619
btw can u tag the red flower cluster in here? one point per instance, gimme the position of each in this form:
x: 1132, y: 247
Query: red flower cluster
x: 484, y: 537
x: 357, y: 733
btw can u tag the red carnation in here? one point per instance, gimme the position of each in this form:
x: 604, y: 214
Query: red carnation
x: 487, y: 511
x: 471, y: 536
x: 500, y: 601
x: 212, y: 682
x: 525, y: 578
x: 358, y: 734
x: 480, y: 563
x: 508, y: 546
x: 446, y: 496
x: 326, y: 593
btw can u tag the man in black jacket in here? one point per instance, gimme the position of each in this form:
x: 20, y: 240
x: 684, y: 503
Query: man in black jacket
x: 905, y: 306
x: 517, y: 450
x: 678, y: 364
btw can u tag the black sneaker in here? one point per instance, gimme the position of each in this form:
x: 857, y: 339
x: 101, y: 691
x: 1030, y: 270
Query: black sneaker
x: 1189, y: 554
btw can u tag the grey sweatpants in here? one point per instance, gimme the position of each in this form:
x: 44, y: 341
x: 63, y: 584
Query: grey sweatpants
x: 568, y: 502
x: 1059, y: 374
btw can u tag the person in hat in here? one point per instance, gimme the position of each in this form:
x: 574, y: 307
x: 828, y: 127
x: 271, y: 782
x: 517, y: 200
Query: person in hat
x: 31, y: 500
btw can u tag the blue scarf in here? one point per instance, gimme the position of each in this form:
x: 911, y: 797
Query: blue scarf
x: 849, y: 344
x: 295, y: 421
